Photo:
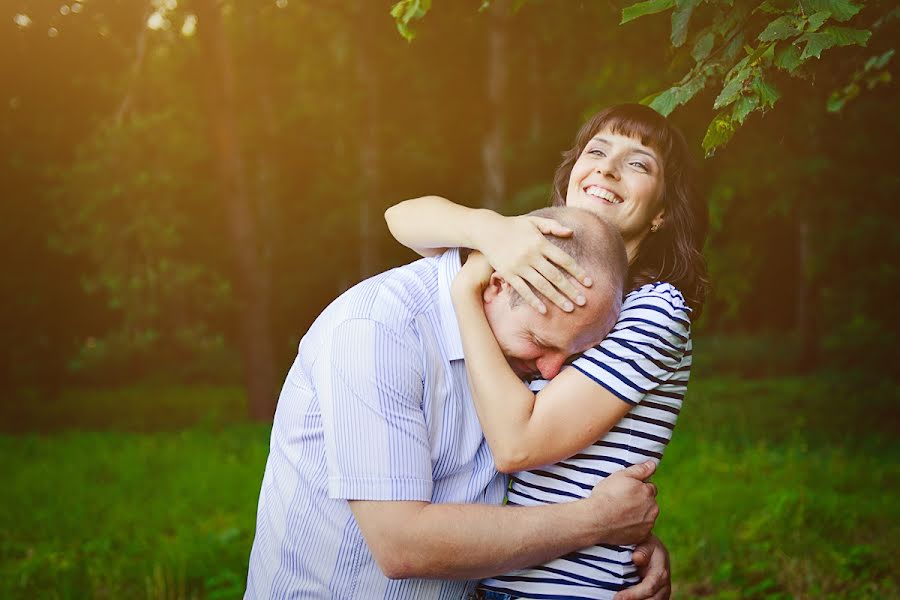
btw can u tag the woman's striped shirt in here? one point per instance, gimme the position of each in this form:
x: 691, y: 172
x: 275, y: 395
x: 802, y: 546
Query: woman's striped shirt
x: 645, y: 361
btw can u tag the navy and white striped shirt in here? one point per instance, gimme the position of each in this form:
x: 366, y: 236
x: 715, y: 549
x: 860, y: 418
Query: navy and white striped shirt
x: 375, y: 407
x: 645, y: 361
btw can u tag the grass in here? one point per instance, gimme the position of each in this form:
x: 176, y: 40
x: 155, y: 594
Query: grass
x: 784, y: 488
x: 773, y: 488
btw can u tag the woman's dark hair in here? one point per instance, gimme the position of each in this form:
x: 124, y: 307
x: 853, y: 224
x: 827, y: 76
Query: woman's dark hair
x: 674, y: 252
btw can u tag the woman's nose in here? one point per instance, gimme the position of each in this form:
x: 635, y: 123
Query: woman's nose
x: 608, y: 169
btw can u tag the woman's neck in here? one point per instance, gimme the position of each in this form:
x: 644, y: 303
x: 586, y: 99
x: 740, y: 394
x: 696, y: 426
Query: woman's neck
x: 632, y: 247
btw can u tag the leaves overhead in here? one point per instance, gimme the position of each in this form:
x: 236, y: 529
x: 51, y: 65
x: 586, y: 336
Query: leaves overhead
x: 785, y: 36
x: 407, y: 11
x: 645, y: 8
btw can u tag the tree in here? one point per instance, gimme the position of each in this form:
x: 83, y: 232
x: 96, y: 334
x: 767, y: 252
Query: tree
x: 497, y: 81
x: 253, y: 286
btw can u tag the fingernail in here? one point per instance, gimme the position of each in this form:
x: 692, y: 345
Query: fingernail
x: 568, y: 307
x: 580, y: 300
x: 542, y: 309
x: 588, y: 281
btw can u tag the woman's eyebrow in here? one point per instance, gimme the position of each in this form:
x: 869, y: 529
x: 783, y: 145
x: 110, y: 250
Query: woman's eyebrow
x: 630, y: 148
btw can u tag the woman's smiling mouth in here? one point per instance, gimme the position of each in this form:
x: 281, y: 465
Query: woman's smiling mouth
x: 604, y: 194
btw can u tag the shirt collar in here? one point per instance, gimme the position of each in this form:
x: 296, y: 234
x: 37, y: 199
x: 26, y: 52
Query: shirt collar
x: 448, y: 267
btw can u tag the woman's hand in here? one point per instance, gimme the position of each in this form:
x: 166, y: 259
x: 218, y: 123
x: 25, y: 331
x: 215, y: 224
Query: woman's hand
x: 519, y: 252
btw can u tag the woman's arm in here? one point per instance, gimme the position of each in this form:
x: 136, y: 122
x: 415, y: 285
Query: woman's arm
x: 431, y: 224
x: 525, y: 430
x: 515, y: 246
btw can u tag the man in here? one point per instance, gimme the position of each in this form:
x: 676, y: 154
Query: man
x: 379, y: 482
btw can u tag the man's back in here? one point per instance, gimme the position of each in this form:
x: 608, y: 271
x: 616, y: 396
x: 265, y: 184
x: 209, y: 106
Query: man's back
x: 375, y: 407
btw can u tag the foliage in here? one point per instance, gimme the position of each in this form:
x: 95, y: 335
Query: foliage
x: 120, y: 268
x: 406, y: 11
x: 809, y: 486
x: 124, y: 203
x: 744, y: 49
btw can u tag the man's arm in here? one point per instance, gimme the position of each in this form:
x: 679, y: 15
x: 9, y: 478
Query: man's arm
x: 471, y: 541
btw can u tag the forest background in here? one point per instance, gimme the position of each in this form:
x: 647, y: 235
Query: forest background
x: 185, y: 185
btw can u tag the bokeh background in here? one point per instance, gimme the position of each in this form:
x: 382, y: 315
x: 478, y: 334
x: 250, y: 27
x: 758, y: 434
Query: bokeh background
x: 185, y: 185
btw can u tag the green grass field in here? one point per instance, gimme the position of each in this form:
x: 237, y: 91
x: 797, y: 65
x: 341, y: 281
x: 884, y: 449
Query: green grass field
x: 772, y: 488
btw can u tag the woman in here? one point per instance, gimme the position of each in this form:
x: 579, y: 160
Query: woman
x: 618, y: 405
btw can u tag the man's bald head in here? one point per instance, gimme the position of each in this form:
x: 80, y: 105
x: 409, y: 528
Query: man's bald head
x: 598, y: 247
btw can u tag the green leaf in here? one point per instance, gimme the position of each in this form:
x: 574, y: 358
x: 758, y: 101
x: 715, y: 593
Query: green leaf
x: 831, y: 37
x: 879, y: 62
x: 680, y: 19
x: 780, y: 29
x: 816, y: 20
x: 405, y: 11
x: 740, y: 69
x: 841, y: 10
x: 732, y: 89
x: 768, y: 7
x: 665, y: 102
x: 768, y: 95
x: 743, y: 107
x: 703, y: 46
x: 733, y: 50
x: 720, y: 130
x: 839, y: 98
x: 789, y: 58
x: 645, y: 8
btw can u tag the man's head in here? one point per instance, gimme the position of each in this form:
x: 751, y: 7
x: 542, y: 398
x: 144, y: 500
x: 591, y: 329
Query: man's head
x: 536, y: 344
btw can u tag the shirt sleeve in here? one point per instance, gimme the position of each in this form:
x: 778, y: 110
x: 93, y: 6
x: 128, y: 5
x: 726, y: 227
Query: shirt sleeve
x: 647, y: 347
x: 369, y: 381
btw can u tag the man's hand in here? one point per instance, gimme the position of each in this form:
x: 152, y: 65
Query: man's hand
x: 626, y: 505
x: 473, y: 277
x: 652, y: 561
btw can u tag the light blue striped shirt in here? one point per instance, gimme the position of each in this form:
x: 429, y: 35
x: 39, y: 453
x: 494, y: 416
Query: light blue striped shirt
x: 375, y: 407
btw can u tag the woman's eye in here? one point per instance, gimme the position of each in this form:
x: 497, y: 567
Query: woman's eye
x: 596, y: 152
x: 640, y: 165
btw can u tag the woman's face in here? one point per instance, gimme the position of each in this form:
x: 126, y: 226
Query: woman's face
x: 620, y: 179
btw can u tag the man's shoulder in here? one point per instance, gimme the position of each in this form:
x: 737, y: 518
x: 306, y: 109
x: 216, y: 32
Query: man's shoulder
x: 393, y: 298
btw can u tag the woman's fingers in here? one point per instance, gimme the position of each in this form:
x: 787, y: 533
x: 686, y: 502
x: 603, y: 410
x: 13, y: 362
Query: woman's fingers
x: 560, y: 257
x: 550, y: 227
x: 541, y: 284
x: 529, y: 296
x: 561, y: 282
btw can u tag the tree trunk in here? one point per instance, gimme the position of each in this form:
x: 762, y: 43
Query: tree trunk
x: 535, y: 83
x: 251, y: 286
x: 367, y: 66
x: 807, y: 299
x: 266, y: 173
x: 493, y: 167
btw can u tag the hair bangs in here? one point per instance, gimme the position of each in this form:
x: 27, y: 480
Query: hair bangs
x: 638, y: 122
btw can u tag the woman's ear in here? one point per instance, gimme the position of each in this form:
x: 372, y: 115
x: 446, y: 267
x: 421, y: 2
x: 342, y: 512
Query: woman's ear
x: 658, y: 220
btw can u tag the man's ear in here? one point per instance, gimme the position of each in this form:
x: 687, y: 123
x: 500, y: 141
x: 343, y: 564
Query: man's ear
x: 494, y: 288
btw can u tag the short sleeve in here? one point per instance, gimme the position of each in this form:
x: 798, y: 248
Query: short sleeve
x: 647, y: 347
x: 369, y: 382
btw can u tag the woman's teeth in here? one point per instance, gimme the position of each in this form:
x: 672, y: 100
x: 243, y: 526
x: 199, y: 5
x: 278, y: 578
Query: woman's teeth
x: 599, y: 192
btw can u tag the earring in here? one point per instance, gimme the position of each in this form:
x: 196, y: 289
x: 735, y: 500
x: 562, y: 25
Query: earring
x: 654, y: 228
